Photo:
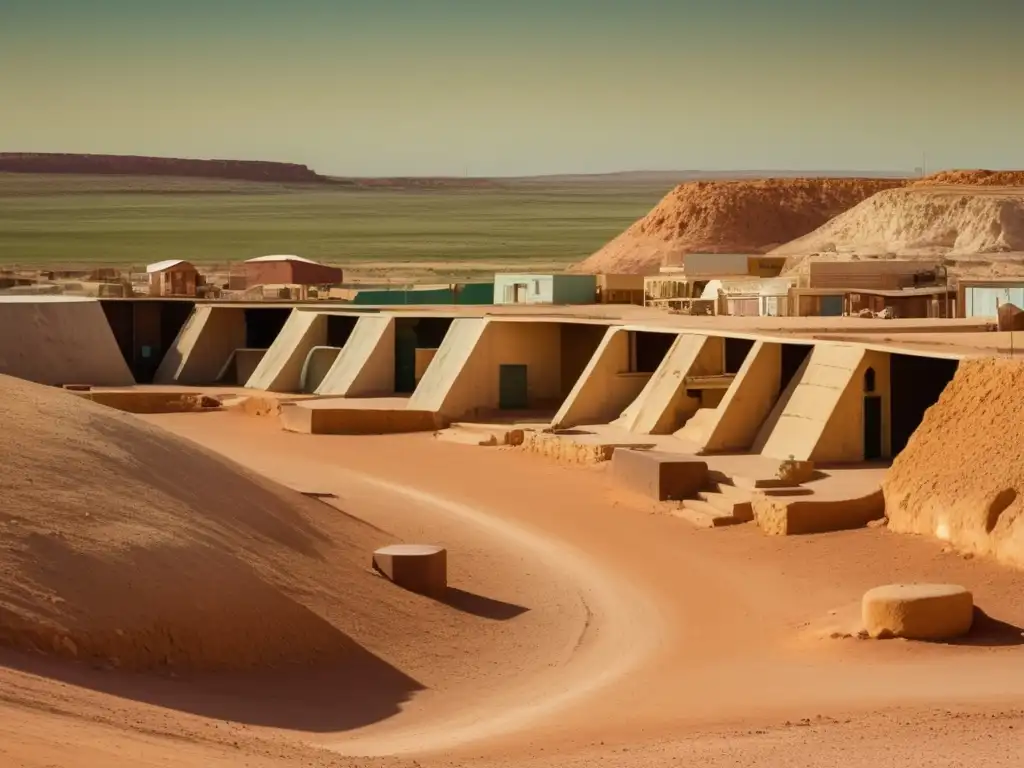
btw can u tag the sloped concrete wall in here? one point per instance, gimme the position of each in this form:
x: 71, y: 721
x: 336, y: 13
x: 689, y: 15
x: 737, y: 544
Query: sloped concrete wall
x: 240, y: 366
x: 60, y: 340
x: 843, y: 437
x: 435, y: 388
x: 822, y: 416
x: 203, y: 346
x: 463, y: 377
x: 318, y: 363
x: 747, y: 403
x: 366, y: 365
x: 605, y: 388
x: 280, y: 369
x: 663, y: 405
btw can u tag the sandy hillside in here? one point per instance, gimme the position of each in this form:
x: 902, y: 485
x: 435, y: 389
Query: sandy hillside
x: 970, y: 496
x: 979, y: 178
x: 973, y: 228
x: 125, y: 545
x: 729, y: 217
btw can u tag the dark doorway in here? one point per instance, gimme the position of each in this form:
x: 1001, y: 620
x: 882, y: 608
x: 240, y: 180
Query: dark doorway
x: 915, y: 385
x: 339, y: 328
x: 148, y: 340
x: 430, y: 331
x: 412, y: 333
x: 736, y: 351
x: 512, y: 387
x: 793, y: 356
x: 262, y: 326
x: 872, y: 428
x: 405, y: 355
x: 121, y: 318
x: 648, y: 349
x: 579, y: 343
x: 173, y: 316
x: 145, y: 330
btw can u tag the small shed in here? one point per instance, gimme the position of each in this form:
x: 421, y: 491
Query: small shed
x: 289, y: 270
x: 545, y: 289
x: 981, y: 298
x: 174, y: 277
x: 620, y: 289
x: 937, y: 301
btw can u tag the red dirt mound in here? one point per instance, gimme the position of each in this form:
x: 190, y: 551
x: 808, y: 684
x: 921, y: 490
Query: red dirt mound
x: 961, y: 478
x: 125, y: 545
x: 980, y: 178
x: 127, y: 165
x: 729, y: 217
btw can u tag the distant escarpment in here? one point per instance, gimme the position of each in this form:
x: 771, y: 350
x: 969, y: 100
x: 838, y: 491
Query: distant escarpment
x: 128, y: 165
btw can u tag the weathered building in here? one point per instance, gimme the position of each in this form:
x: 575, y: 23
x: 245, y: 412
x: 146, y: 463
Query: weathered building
x: 545, y: 289
x: 174, y: 277
x: 289, y: 270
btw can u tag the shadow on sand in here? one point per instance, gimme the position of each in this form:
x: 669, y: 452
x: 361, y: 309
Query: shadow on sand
x: 990, y: 633
x: 484, y: 607
x: 356, y: 692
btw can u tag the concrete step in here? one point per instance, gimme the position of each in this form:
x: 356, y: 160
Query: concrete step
x: 704, y: 515
x: 740, y: 509
x: 733, y: 492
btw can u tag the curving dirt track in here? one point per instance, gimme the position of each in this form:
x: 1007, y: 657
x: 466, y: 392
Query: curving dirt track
x: 639, y: 641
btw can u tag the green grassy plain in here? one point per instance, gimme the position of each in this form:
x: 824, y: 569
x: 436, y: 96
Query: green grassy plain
x: 66, y: 221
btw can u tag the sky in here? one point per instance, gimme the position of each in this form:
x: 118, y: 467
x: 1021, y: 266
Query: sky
x: 522, y: 87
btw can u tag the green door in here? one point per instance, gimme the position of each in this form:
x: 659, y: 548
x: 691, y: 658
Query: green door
x: 512, y: 387
x: 405, y: 356
x: 831, y: 306
x: 872, y: 428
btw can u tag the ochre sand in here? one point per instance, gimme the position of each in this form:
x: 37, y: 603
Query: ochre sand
x: 644, y: 642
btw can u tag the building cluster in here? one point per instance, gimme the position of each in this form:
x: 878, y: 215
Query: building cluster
x: 753, y: 285
x: 284, y: 276
x: 698, y: 283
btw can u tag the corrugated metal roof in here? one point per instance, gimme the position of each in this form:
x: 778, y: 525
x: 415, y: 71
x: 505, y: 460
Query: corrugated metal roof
x: 282, y: 257
x: 160, y: 266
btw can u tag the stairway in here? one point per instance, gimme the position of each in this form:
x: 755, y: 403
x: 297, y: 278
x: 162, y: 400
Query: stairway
x: 723, y: 504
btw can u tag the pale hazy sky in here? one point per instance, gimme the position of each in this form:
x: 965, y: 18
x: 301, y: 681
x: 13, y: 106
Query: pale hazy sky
x: 390, y: 87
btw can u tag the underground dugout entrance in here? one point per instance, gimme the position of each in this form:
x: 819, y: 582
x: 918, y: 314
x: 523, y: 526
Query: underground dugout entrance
x: 412, y: 334
x: 263, y: 325
x: 144, y: 330
x: 915, y: 385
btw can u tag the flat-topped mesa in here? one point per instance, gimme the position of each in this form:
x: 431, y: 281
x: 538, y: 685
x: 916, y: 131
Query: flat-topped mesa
x: 131, y: 165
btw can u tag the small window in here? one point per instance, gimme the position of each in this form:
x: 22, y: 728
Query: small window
x: 869, y: 380
x: 536, y: 286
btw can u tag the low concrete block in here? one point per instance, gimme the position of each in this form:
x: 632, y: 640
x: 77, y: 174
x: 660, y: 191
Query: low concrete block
x: 781, y: 516
x: 918, y: 611
x: 659, y: 475
x: 305, y: 417
x: 420, y: 568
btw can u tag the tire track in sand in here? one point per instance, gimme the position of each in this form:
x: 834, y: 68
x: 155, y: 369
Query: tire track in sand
x: 623, y: 628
